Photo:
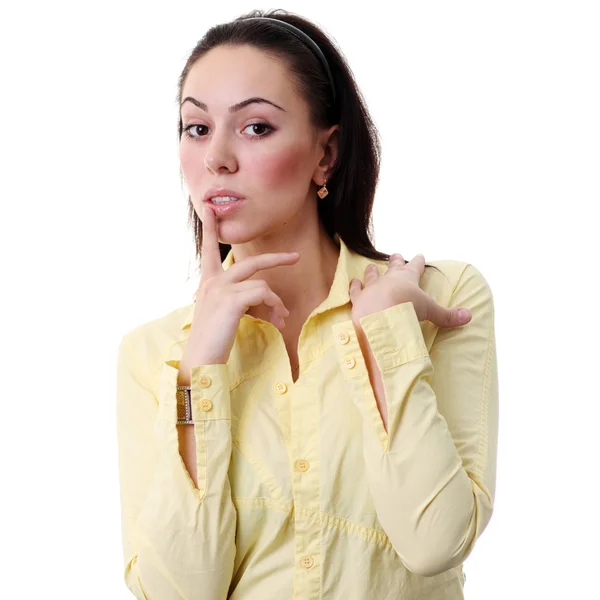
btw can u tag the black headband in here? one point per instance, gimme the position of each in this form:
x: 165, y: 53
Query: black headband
x: 307, y: 40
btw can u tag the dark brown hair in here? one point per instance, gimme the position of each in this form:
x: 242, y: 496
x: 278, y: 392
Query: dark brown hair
x: 347, y: 208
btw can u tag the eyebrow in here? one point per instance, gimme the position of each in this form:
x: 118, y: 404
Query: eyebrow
x: 235, y: 107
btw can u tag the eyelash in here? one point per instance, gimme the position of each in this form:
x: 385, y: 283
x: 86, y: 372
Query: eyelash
x: 270, y: 130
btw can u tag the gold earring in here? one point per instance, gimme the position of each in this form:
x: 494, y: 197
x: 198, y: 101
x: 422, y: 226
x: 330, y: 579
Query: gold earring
x: 323, y: 191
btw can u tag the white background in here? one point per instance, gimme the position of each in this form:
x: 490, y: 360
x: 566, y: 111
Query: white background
x: 490, y: 123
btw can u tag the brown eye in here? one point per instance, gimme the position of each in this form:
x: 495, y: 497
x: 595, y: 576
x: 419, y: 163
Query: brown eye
x: 192, y: 127
x: 261, y: 125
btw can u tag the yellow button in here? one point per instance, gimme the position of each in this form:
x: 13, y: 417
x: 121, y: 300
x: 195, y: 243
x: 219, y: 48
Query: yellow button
x: 206, y: 405
x: 302, y: 465
x: 281, y: 387
x: 343, y: 337
x: 204, y: 381
x: 350, y: 361
x: 307, y: 561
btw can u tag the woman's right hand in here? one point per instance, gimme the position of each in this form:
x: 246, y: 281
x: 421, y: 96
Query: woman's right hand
x: 224, y: 296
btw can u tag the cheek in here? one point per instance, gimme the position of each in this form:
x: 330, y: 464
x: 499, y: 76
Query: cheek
x: 281, y: 169
x: 189, y: 163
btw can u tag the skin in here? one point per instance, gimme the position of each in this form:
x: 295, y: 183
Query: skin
x: 278, y: 171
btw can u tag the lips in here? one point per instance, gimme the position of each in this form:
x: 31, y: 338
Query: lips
x: 212, y: 192
x: 222, y: 210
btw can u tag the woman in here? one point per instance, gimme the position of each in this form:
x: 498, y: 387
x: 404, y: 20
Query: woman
x: 334, y: 433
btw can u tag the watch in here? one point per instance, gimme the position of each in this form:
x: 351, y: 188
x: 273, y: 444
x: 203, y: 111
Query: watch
x: 184, y: 405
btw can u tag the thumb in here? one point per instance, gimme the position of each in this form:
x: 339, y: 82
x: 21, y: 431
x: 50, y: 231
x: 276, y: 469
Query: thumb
x: 448, y: 317
x: 455, y: 317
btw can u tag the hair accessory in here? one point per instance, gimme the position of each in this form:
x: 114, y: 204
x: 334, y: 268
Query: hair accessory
x: 323, y: 191
x: 303, y: 37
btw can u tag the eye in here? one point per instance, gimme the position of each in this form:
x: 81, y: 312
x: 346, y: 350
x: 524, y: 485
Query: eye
x: 259, y: 125
x: 190, y: 128
x: 187, y: 130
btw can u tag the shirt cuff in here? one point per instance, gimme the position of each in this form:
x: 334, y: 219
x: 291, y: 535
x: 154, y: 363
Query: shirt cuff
x: 394, y: 335
x: 210, y: 395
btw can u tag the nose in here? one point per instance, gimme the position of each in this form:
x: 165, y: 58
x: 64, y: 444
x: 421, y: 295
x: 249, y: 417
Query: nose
x: 219, y: 154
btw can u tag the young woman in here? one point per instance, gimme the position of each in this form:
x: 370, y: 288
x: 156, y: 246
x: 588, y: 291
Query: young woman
x: 314, y: 425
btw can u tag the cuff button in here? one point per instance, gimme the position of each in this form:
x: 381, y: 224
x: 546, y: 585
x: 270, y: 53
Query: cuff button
x: 204, y: 381
x: 350, y: 362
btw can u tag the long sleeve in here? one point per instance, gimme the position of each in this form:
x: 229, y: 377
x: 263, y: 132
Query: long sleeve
x: 432, y: 475
x: 178, y: 539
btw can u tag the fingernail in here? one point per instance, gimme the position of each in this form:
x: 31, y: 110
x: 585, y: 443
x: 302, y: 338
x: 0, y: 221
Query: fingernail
x: 463, y: 314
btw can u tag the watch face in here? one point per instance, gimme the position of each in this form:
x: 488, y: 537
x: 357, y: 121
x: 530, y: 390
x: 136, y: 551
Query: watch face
x: 182, y: 406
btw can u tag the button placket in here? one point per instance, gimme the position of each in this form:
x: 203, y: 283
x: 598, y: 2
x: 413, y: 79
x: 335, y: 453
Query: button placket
x: 305, y: 471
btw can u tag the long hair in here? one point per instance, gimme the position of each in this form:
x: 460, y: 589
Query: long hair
x: 347, y: 209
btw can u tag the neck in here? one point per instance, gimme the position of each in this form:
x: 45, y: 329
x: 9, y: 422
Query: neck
x: 303, y: 285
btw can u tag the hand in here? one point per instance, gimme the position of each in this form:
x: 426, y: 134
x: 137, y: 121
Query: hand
x: 400, y: 283
x: 224, y: 296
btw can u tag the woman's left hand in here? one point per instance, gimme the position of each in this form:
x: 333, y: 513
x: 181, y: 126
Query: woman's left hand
x: 400, y: 283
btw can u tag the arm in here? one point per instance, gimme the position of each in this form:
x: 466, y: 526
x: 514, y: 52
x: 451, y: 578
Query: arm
x: 178, y: 537
x: 432, y: 474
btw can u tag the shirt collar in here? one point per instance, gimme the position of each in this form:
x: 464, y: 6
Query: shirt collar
x: 350, y: 265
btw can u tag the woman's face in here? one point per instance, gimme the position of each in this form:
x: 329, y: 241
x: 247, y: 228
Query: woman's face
x: 266, y: 154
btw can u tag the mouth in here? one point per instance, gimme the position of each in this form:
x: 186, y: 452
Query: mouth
x: 223, y: 200
x: 224, y: 208
x: 221, y: 193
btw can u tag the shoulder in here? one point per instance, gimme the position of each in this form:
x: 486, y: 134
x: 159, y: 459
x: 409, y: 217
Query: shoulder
x: 454, y: 272
x: 444, y: 278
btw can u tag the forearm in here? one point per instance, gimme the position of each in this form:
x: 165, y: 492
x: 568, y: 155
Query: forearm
x: 178, y: 531
x: 185, y: 433
x: 187, y: 449
x: 375, y: 377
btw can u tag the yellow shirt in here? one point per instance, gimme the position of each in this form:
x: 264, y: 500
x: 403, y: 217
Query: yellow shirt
x: 301, y: 492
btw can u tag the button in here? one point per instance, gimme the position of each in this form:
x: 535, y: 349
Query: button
x: 281, y: 387
x: 307, y: 561
x: 350, y: 362
x: 206, y: 405
x: 302, y: 465
x: 204, y: 381
x: 343, y: 337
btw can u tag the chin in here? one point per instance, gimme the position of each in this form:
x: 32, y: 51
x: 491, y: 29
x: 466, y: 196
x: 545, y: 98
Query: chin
x: 235, y: 233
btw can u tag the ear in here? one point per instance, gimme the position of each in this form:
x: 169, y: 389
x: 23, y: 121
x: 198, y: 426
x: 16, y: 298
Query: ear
x: 328, y: 145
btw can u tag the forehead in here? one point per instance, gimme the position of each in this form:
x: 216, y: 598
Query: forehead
x: 229, y: 74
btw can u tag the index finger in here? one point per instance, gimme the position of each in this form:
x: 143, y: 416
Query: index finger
x: 211, y: 254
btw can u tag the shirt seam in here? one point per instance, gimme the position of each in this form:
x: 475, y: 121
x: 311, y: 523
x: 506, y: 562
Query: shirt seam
x: 483, y: 433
